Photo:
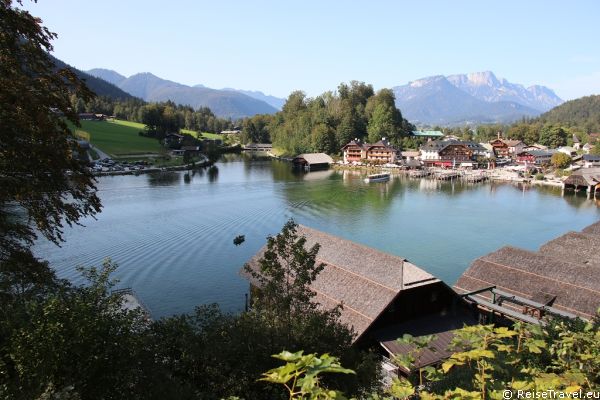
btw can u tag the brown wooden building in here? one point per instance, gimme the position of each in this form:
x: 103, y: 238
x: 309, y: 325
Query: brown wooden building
x: 562, y: 278
x: 500, y: 148
x: 383, y: 296
x: 381, y: 152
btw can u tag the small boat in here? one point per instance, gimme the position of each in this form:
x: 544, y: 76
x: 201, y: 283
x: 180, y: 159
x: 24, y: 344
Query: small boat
x: 384, y: 177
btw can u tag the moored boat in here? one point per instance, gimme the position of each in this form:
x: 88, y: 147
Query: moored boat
x: 383, y: 177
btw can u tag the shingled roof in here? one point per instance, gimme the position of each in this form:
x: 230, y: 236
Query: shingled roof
x: 315, y: 158
x: 566, y: 268
x: 361, y: 278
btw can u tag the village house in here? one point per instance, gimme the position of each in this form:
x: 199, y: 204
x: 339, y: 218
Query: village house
x: 442, y: 153
x: 173, y: 140
x: 587, y: 148
x: 537, y: 157
x: 535, y: 146
x: 514, y: 146
x: 570, y: 151
x: 383, y: 296
x: 500, y: 147
x: 507, y: 147
x: 562, y: 278
x: 591, y: 160
x: 576, y: 142
x: 381, y: 152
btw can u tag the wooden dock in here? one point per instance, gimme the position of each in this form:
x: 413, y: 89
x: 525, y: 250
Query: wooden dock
x: 418, y: 173
x: 447, y: 175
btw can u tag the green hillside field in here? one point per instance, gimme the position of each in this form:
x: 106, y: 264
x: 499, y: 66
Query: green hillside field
x: 119, y: 138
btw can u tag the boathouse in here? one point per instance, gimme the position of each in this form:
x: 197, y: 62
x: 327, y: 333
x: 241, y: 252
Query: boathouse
x: 587, y: 179
x: 562, y: 278
x: 312, y: 161
x: 383, y: 296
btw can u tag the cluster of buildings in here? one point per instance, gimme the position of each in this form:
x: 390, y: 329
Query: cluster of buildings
x: 384, y: 297
x: 448, y: 152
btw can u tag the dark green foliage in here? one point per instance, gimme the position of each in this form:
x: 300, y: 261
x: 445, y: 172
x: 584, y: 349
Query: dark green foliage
x: 99, y: 86
x: 36, y: 193
x: 582, y: 113
x: 255, y: 129
x: 553, y: 136
x: 329, y: 121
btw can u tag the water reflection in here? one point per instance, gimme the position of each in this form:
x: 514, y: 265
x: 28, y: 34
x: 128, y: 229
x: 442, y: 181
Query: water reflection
x: 213, y: 173
x: 177, y: 255
x: 163, y: 178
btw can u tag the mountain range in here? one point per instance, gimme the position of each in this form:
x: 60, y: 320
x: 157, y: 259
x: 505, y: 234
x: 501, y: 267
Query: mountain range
x: 97, y: 85
x: 471, y: 98
x: 227, y: 103
x: 459, y: 99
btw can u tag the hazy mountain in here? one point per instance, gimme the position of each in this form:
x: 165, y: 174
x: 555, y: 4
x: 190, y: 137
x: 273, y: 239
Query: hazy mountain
x: 97, y: 85
x: 276, y: 102
x: 487, y: 87
x: 224, y: 103
x: 108, y: 75
x: 435, y: 100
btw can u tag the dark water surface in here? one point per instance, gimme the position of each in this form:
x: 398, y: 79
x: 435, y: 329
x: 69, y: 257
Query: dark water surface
x: 172, y: 235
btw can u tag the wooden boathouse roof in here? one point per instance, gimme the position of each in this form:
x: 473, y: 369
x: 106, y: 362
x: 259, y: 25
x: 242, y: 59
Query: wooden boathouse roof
x: 565, y: 272
x: 364, y: 280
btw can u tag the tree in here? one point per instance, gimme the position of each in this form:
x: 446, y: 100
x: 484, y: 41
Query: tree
x: 42, y: 185
x: 560, y: 160
x: 79, y: 338
x: 553, y: 136
x: 286, y: 271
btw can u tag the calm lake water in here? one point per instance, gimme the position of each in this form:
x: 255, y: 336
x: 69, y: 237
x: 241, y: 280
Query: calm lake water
x: 172, y: 235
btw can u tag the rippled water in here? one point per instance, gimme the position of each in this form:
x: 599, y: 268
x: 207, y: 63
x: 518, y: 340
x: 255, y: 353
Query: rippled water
x: 172, y: 234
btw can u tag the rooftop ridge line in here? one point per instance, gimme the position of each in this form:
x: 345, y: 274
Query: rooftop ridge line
x: 542, y: 276
x: 363, y: 277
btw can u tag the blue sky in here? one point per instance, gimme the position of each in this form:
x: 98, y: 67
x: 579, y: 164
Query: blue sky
x: 280, y: 46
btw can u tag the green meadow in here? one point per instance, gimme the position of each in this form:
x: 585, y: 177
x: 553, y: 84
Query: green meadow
x: 119, y: 138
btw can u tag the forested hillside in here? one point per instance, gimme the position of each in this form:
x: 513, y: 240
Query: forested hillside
x: 97, y: 85
x: 583, y: 113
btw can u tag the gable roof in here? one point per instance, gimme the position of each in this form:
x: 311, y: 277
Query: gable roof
x: 591, y: 157
x: 584, y: 177
x: 566, y: 267
x: 361, y: 278
x: 512, y: 143
x: 315, y: 158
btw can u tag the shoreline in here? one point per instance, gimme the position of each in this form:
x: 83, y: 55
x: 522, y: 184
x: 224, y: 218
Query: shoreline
x: 156, y: 169
x: 493, y: 175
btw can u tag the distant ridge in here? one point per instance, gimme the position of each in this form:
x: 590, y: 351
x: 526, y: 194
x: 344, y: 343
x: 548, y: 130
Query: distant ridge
x: 98, y: 85
x: 224, y: 103
x: 470, y: 99
x: 276, y: 102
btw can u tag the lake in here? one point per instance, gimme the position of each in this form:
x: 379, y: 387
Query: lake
x: 172, y: 234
